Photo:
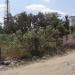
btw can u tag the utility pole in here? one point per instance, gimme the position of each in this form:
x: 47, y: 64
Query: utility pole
x: 7, y: 15
x: 7, y: 12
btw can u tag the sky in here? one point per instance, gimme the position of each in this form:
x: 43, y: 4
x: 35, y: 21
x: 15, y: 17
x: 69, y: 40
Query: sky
x: 34, y: 6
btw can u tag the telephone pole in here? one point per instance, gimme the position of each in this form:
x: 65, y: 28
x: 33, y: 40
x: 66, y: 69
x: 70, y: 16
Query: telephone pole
x: 7, y: 17
x: 7, y: 12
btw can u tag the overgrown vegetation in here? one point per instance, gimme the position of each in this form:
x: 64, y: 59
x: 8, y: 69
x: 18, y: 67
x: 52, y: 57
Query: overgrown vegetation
x: 29, y: 35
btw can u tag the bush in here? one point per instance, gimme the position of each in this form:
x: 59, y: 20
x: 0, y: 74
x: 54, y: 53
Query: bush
x: 37, y: 43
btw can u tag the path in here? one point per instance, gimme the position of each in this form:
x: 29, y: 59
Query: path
x: 63, y: 65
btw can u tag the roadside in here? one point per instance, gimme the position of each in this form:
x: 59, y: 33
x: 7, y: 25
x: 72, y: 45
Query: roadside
x: 63, y: 65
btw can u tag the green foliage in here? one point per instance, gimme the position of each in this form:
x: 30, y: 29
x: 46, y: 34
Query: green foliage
x: 1, y: 29
x: 44, y: 38
x: 66, y: 25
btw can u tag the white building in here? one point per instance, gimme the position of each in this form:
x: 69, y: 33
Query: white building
x: 72, y: 23
x: 72, y: 20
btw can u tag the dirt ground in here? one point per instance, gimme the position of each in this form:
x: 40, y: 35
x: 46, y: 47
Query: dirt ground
x: 59, y: 65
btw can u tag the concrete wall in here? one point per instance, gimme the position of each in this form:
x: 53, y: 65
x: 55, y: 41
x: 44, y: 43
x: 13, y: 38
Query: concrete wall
x: 68, y: 40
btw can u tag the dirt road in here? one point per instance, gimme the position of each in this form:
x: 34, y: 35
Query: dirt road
x: 64, y: 65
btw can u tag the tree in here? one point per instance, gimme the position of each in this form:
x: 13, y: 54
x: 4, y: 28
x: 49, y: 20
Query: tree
x: 66, y: 24
x: 9, y: 24
x: 22, y: 22
x: 1, y: 29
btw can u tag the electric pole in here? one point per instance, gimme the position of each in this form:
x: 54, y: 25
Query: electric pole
x: 7, y: 17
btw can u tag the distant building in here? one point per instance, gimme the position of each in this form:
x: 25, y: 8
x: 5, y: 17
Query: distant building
x: 72, y: 23
x: 69, y: 39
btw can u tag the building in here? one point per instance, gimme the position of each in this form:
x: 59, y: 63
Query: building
x: 72, y: 23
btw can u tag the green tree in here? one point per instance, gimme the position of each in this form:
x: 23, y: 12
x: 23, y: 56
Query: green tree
x: 22, y: 22
x: 66, y: 24
x: 9, y: 25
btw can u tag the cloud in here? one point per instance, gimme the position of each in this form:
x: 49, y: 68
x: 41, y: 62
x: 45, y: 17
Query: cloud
x: 35, y: 8
x: 47, y: 0
x: 1, y: 20
x: 2, y: 7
